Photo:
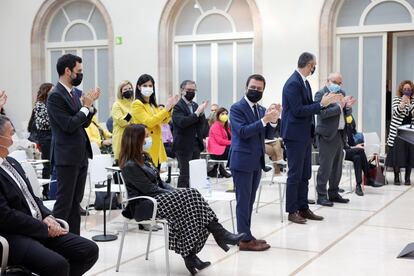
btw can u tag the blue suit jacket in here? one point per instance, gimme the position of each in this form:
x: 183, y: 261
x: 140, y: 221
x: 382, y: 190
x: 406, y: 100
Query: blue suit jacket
x: 247, y: 140
x: 298, y: 120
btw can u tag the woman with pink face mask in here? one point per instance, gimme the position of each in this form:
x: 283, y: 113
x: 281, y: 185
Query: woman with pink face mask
x: 400, y: 153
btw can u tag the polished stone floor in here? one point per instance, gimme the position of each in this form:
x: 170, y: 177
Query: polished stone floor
x: 360, y: 238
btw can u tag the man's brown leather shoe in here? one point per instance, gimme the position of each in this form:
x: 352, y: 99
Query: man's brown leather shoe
x: 296, y: 218
x: 253, y: 246
x: 260, y: 241
x: 308, y: 214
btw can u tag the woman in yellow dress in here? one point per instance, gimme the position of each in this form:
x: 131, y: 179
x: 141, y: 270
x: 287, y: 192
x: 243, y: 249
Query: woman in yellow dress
x: 121, y: 114
x: 145, y: 110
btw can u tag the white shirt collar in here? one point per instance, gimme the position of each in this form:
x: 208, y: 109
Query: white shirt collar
x: 303, y: 77
x: 2, y: 160
x: 186, y: 101
x: 67, y: 88
x: 249, y: 102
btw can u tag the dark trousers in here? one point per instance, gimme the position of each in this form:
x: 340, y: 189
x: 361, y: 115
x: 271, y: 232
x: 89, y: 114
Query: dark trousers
x: 299, y: 156
x: 168, y: 150
x: 331, y: 155
x: 61, y: 256
x: 246, y: 184
x: 359, y: 158
x: 45, y: 138
x: 69, y: 194
x: 183, y: 159
x: 224, y: 156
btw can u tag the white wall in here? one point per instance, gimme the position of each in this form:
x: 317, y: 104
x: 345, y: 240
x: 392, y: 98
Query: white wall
x: 289, y: 28
x: 15, y: 68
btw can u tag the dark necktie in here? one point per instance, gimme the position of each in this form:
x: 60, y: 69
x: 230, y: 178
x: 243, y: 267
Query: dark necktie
x: 308, y: 88
x: 72, y: 95
x: 29, y: 198
x: 256, y: 114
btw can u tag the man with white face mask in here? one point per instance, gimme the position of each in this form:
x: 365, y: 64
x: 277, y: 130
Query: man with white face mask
x: 331, y: 138
x: 29, y: 227
x: 188, y: 122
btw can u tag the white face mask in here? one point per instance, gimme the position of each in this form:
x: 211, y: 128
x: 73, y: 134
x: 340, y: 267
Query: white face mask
x: 147, y: 91
x: 148, y: 143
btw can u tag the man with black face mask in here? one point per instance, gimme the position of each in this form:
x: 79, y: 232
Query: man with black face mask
x: 188, y: 122
x: 250, y: 125
x: 70, y: 147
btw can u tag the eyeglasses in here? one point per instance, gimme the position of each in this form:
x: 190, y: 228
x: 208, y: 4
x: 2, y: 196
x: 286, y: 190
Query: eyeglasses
x: 190, y: 90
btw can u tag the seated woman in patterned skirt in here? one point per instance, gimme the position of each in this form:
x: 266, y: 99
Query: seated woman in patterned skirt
x: 189, y: 216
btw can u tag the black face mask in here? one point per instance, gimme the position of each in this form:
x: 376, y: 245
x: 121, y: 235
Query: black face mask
x: 189, y: 95
x: 254, y: 95
x: 128, y: 94
x: 77, y: 80
x: 313, y: 70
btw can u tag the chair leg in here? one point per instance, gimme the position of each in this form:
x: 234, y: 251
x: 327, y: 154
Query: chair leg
x: 89, y: 202
x: 232, y: 216
x: 281, y: 201
x: 149, y: 242
x: 314, y: 185
x: 167, y: 258
x: 258, y: 198
x: 350, y: 179
x: 121, y: 246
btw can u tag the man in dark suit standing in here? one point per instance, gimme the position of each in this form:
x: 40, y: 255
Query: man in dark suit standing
x: 70, y: 148
x: 331, y: 138
x: 297, y: 130
x: 250, y: 125
x: 188, y: 122
x: 37, y: 241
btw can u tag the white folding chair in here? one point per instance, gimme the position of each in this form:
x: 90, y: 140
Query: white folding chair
x: 199, y: 181
x: 98, y: 174
x: 372, y: 144
x: 36, y: 186
x: 152, y: 222
x: 19, y: 155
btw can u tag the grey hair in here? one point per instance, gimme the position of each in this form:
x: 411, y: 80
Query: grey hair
x: 184, y: 83
x: 305, y: 58
x: 3, y: 120
x: 333, y: 75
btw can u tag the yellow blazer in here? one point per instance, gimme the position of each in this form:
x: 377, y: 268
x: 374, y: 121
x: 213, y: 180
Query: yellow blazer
x: 93, y: 132
x: 120, y: 109
x: 152, y: 117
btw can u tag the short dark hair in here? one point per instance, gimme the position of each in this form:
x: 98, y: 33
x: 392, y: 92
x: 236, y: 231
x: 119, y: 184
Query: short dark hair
x: 185, y: 82
x: 304, y: 59
x: 138, y: 95
x: 67, y: 60
x: 3, y: 120
x: 256, y: 77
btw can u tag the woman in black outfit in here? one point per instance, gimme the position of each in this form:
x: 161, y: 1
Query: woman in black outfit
x: 189, y: 216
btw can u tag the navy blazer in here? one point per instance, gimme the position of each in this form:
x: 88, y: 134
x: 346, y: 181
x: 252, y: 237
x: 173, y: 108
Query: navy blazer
x: 15, y: 215
x: 70, y: 143
x: 247, y: 148
x: 298, y: 120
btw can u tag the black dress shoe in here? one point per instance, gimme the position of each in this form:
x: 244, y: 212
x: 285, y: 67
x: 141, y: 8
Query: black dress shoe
x: 311, y: 201
x: 267, y: 168
x: 358, y: 190
x: 325, y: 202
x: 339, y: 199
x: 371, y: 182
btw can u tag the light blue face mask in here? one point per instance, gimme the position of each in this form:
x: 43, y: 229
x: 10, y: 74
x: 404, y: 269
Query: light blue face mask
x: 148, y: 143
x: 334, y: 88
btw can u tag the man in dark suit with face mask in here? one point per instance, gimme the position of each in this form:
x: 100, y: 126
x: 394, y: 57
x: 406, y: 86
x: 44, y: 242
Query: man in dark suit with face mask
x: 250, y: 123
x: 70, y: 148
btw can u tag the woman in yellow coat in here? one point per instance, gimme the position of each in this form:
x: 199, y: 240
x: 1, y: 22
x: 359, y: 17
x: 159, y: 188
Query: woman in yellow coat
x: 99, y: 135
x: 144, y: 110
x: 121, y: 114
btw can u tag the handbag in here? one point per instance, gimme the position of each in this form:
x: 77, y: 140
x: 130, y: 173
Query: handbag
x: 100, y: 201
x: 375, y: 172
x: 31, y: 128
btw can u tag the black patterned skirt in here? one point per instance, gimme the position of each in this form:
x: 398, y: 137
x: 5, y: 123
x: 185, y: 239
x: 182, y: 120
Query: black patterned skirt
x: 187, y: 214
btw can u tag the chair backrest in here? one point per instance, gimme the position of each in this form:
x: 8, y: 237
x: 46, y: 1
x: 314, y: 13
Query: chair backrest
x: 372, y: 144
x: 31, y: 175
x: 97, y: 167
x: 19, y: 155
x: 198, y: 175
x: 95, y: 149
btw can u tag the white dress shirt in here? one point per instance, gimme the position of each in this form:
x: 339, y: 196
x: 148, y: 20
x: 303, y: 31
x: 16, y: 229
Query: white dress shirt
x: 251, y: 104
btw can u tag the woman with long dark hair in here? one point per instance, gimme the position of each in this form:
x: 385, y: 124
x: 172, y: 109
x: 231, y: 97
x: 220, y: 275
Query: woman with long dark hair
x: 145, y: 110
x: 189, y: 216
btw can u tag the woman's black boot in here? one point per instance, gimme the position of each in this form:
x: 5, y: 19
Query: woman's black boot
x: 213, y: 171
x: 193, y: 263
x: 223, y: 172
x: 224, y: 237
x: 397, y: 178
x: 407, y: 176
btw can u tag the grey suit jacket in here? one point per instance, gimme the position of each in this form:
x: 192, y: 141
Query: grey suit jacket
x: 327, y: 121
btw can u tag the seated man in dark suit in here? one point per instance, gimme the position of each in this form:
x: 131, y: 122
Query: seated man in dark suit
x: 37, y: 241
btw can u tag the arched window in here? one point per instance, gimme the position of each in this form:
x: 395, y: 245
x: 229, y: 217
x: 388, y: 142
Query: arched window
x: 371, y: 45
x: 213, y: 44
x: 79, y: 27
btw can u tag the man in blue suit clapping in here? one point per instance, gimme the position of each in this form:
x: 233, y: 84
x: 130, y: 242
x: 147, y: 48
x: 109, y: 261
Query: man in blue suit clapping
x: 297, y: 130
x: 250, y: 125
